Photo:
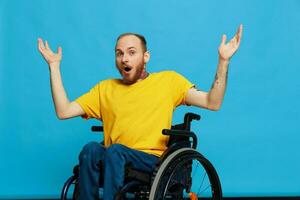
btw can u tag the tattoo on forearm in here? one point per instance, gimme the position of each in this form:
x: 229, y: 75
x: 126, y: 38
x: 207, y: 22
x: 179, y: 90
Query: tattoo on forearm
x: 226, y: 75
x: 219, y: 80
x: 216, y: 81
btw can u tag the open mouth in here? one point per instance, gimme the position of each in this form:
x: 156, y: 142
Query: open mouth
x: 127, y: 69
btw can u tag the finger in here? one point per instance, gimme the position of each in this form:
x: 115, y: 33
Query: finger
x: 40, y: 45
x: 224, y: 37
x: 39, y: 40
x: 59, y: 50
x: 47, y: 45
x: 239, y: 33
x: 42, y: 49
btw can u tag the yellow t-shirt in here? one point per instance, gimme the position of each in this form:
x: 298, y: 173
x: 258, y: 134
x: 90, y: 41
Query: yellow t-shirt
x: 134, y: 115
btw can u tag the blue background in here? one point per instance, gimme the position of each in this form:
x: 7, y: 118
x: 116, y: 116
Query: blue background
x: 253, y: 140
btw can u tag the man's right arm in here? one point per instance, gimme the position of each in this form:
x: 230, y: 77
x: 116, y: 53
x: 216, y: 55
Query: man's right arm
x: 63, y: 107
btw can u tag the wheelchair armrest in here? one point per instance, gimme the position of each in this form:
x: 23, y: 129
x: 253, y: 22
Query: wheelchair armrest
x: 191, y: 116
x: 182, y: 133
x: 97, y: 128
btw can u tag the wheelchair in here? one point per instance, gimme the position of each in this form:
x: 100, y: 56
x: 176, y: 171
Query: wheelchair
x: 180, y: 173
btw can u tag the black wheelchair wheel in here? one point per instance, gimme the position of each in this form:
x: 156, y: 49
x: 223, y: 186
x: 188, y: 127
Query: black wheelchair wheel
x: 70, y: 184
x: 183, y: 174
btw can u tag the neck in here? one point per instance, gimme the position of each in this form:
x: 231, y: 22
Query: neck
x: 144, y: 74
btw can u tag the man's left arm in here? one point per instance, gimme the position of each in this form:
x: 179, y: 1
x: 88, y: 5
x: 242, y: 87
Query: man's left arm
x: 212, y: 100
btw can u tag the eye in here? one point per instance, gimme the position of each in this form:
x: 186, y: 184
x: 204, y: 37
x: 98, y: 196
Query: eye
x: 131, y: 52
x: 118, y: 53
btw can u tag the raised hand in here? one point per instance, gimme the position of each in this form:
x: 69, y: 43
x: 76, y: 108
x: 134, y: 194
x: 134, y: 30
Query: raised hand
x: 48, y: 54
x: 226, y: 50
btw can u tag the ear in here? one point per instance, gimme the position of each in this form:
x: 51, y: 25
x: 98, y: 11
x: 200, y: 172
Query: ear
x: 146, y: 56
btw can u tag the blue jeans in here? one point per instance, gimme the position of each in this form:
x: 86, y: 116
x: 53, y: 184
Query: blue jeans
x: 114, y: 158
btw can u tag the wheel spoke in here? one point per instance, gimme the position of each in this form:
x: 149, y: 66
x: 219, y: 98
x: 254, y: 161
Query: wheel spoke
x: 186, y: 171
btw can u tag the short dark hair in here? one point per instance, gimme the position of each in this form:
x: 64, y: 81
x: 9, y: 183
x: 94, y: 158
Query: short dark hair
x: 141, y: 37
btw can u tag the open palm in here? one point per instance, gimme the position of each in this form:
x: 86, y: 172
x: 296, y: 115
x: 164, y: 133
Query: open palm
x: 48, y: 54
x: 226, y: 50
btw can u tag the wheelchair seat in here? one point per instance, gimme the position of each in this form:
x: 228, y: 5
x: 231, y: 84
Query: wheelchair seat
x: 174, y: 172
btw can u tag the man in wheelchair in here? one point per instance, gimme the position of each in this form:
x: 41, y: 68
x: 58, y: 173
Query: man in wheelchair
x: 134, y: 111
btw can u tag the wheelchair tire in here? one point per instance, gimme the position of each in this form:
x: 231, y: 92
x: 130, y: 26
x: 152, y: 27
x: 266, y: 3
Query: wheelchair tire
x: 64, y: 193
x: 174, y: 166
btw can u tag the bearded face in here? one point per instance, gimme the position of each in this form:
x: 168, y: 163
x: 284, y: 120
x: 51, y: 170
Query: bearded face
x: 131, y: 59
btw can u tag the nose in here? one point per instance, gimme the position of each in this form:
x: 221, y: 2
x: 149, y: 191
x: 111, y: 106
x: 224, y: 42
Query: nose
x: 124, y: 58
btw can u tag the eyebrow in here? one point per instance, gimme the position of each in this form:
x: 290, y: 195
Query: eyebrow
x: 127, y: 48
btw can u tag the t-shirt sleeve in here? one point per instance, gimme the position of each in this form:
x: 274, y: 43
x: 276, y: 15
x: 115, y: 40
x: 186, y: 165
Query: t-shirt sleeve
x: 90, y: 103
x: 180, y: 86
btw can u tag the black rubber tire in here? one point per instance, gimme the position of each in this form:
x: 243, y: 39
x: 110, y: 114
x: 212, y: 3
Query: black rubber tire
x: 66, y: 188
x: 175, y: 160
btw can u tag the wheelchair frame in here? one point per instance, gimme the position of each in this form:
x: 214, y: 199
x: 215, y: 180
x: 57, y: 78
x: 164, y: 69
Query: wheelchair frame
x: 149, y: 185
